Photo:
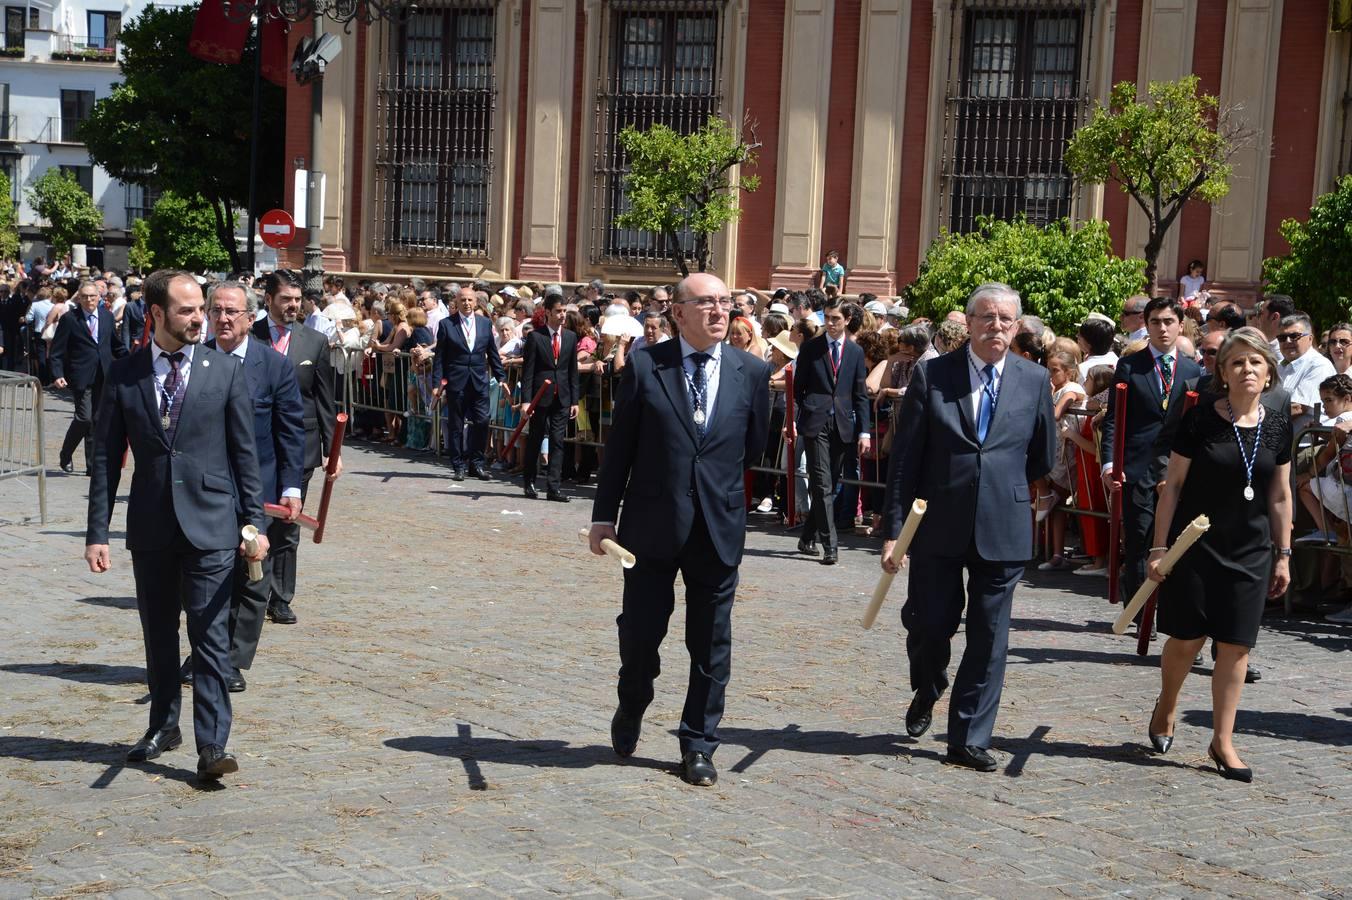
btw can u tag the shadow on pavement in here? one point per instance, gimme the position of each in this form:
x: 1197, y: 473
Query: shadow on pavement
x: 1287, y: 726
x: 45, y: 749
x: 1071, y: 654
x: 88, y: 673
x: 110, y: 602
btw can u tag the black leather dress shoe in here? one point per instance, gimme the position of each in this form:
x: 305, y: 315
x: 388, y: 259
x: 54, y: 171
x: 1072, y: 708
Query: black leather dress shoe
x: 557, y: 497
x: 478, y: 472
x: 808, y: 547
x: 919, y: 715
x: 213, y: 762
x: 185, y: 671
x: 234, y: 683
x: 828, y: 558
x: 624, y: 731
x: 698, y: 769
x: 971, y: 758
x: 68, y: 467
x: 154, y: 743
x: 457, y: 474
x: 280, y: 612
x: 531, y: 493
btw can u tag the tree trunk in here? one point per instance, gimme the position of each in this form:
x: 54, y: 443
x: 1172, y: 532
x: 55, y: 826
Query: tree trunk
x: 1152, y: 255
x: 223, y: 234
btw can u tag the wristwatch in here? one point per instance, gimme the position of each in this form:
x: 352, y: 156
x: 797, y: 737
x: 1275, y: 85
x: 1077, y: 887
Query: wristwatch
x: 1283, y: 551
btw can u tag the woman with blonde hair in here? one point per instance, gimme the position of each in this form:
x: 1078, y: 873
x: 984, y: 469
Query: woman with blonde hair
x: 1241, y: 482
x: 743, y: 336
x: 393, y: 367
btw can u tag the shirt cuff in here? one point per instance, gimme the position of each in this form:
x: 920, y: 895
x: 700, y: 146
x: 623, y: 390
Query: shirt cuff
x: 291, y: 492
x: 1107, y: 467
x: 864, y: 435
x: 611, y: 524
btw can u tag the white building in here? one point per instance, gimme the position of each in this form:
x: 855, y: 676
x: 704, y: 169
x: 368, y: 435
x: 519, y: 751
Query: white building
x: 57, y: 59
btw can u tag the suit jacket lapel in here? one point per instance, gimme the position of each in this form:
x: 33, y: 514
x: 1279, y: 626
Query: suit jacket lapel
x: 962, y: 388
x: 671, y: 374
x: 198, y: 373
x: 145, y: 377
x: 729, y: 384
x: 1011, y: 381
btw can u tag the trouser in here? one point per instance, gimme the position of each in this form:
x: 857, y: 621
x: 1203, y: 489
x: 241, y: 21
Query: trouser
x: 846, y: 500
x: 1138, y: 530
x: 825, y: 456
x: 248, y: 609
x: 81, y: 428
x: 198, y: 582
x: 649, y: 599
x: 549, y: 421
x: 931, y: 614
x: 466, y: 427
x: 283, y: 542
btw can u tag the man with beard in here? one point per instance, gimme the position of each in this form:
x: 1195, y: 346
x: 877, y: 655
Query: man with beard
x: 308, y: 351
x: 185, y: 411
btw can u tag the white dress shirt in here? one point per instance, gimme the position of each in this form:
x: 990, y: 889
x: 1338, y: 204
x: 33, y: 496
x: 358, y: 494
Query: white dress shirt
x: 1303, y: 375
x: 974, y: 367
x: 711, y: 373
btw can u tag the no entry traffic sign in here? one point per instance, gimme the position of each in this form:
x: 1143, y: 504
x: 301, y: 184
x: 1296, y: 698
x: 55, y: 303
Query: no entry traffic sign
x: 277, y: 228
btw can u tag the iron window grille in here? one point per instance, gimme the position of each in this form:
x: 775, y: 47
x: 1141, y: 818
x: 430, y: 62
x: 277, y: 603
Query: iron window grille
x: 1017, y: 90
x: 661, y: 65
x: 436, y: 95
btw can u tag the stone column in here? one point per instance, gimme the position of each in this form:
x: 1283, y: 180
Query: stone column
x: 548, y: 151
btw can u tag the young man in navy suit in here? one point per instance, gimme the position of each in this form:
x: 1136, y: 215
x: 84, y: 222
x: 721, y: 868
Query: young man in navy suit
x: 690, y: 416
x: 979, y: 436
x: 186, y: 413
x: 549, y: 353
x: 465, y: 354
x: 81, y: 354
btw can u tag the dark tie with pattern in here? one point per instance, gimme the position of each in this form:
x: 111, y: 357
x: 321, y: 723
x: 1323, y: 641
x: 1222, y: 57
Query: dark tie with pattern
x: 171, y: 401
x: 1166, y: 379
x: 698, y: 390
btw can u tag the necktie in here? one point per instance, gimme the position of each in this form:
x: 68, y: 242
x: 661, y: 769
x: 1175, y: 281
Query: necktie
x: 171, y: 400
x: 1166, y: 364
x: 697, y: 393
x: 468, y: 325
x: 93, y: 324
x: 987, y: 407
x: 835, y: 357
x: 556, y: 347
x: 281, y: 339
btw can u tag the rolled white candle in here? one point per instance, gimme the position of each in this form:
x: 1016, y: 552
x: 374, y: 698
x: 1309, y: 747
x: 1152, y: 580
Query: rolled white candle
x: 612, y: 549
x: 898, y: 554
x: 250, y: 536
x: 1196, y: 528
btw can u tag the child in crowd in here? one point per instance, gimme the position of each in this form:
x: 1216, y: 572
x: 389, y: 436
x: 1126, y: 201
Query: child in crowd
x: 1190, y: 285
x: 1063, y: 368
x: 1328, y: 493
x: 832, y: 272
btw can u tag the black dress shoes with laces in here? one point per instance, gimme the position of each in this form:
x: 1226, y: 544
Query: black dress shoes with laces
x: 807, y: 547
x: 624, y: 730
x: 698, y: 769
x: 919, y: 715
x: 280, y: 612
x: 154, y: 743
x: 213, y: 762
x: 531, y: 493
x: 235, y: 683
x: 557, y: 497
x: 971, y: 758
x: 478, y: 472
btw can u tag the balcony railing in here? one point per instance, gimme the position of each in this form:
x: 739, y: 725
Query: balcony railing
x: 82, y: 47
x: 62, y: 130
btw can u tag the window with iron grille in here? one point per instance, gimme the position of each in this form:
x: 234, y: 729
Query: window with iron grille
x: 661, y: 66
x: 1017, y: 90
x: 435, y: 102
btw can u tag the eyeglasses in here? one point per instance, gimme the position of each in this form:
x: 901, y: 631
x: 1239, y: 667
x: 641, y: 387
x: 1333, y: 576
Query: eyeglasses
x: 723, y: 303
x: 222, y: 313
x: 1292, y: 336
x: 1340, y: 342
x: 989, y: 319
x: 1212, y: 352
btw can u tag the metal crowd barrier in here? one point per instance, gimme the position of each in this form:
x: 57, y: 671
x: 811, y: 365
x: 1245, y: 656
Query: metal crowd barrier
x: 390, y: 383
x: 22, y: 444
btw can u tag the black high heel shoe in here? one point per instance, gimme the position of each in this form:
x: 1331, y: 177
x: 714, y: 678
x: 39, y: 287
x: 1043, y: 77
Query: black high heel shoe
x: 1234, y: 773
x: 1161, y: 742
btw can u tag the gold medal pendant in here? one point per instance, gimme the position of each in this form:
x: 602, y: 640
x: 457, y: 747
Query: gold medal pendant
x: 164, y: 421
x: 1165, y: 403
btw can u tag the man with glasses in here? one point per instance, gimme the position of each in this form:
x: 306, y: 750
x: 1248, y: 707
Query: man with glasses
x: 1302, y: 369
x: 81, y: 355
x: 1133, y: 317
x: 690, y: 415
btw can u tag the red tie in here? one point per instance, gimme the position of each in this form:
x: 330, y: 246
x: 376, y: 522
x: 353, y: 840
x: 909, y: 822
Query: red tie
x: 556, y: 347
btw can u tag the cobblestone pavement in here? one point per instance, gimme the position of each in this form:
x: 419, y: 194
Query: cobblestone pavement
x: 437, y: 724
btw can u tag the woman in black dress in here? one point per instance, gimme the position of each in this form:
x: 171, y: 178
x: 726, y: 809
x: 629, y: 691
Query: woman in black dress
x: 1231, y: 462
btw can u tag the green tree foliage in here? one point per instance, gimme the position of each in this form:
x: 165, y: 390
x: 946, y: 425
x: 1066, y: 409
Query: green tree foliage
x: 1063, y: 272
x: 140, y: 257
x: 179, y: 123
x: 1173, y: 148
x: 1316, y: 272
x: 182, y: 234
x: 72, y: 217
x: 9, y: 225
x: 677, y: 182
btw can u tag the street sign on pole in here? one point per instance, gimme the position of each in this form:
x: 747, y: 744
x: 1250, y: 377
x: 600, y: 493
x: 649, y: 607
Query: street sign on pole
x: 276, y: 228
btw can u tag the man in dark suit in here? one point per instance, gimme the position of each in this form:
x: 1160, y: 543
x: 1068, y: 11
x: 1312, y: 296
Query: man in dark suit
x: 134, y: 318
x: 979, y: 431
x: 1158, y: 379
x: 465, y: 353
x: 308, y: 351
x: 185, y: 411
x: 82, y: 352
x: 690, y: 416
x: 549, y: 353
x: 833, y: 413
x: 279, y: 435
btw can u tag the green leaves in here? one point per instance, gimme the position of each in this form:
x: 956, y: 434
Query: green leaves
x: 72, y: 217
x: 677, y: 182
x: 181, y: 232
x: 1063, y: 272
x: 9, y: 225
x: 1316, y: 273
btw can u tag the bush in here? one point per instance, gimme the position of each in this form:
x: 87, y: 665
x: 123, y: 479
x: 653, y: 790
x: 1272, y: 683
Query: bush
x: 1315, y: 273
x: 1063, y: 272
x: 183, y: 234
x: 9, y: 226
x: 72, y: 217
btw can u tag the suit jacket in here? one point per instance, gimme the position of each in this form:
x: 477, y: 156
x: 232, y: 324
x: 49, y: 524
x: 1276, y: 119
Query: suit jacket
x: 1147, y: 438
x: 206, y: 484
x: 309, y: 353
x: 657, y: 464
x: 133, y: 323
x: 76, y: 357
x: 537, y: 364
x: 978, y: 493
x: 824, y: 397
x: 279, y: 417
x: 461, y: 366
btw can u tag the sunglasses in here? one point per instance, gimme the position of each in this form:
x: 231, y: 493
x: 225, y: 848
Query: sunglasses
x: 1211, y: 352
x: 1291, y: 336
x: 1340, y: 342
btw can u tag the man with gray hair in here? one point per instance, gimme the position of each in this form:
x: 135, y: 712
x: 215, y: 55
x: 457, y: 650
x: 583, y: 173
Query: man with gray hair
x: 1133, y: 318
x: 1302, y: 369
x: 980, y: 435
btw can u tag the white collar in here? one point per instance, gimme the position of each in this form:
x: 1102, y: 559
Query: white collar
x: 1156, y: 354
x: 242, y: 350
x: 186, y: 350
x: 978, y: 365
x: 715, y: 351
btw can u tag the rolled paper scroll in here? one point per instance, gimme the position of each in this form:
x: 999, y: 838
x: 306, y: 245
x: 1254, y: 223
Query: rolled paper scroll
x: 1196, y: 528
x: 898, y: 554
x: 612, y: 549
x: 250, y: 536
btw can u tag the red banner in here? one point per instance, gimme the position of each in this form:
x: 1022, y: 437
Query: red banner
x: 275, y: 61
x: 215, y: 38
